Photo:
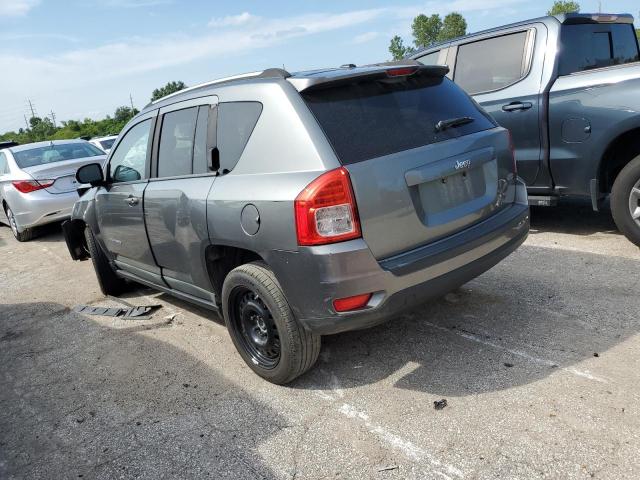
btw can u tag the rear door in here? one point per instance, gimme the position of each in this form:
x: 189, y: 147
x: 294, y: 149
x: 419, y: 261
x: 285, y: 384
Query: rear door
x: 175, y: 199
x: 4, y: 182
x: 118, y: 206
x: 500, y: 72
x: 414, y: 182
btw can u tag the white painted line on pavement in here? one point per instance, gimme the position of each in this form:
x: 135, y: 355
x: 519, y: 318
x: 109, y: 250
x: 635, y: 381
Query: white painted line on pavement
x: 519, y: 353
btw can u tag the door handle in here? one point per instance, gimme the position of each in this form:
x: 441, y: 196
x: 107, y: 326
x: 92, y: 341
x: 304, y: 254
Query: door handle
x: 132, y: 201
x: 514, y: 106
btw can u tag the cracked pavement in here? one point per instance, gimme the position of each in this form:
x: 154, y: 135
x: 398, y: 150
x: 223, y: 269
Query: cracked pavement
x: 537, y: 358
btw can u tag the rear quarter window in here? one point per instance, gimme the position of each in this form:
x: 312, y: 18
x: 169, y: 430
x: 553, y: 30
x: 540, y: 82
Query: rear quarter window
x: 236, y: 121
x: 376, y: 118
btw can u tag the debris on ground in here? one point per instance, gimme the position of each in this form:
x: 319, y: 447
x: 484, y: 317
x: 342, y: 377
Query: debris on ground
x: 388, y: 468
x: 440, y: 404
x: 596, y: 354
x: 508, y: 365
x: 140, y: 312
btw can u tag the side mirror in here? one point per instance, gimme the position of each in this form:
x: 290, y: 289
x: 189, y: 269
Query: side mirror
x: 91, y: 174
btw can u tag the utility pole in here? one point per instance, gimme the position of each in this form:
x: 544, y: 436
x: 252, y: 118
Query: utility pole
x: 131, y: 99
x: 53, y: 118
x: 31, y: 107
x: 26, y: 122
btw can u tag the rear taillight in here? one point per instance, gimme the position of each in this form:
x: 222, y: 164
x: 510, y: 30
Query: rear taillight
x: 26, y: 186
x: 513, y: 154
x: 326, y: 210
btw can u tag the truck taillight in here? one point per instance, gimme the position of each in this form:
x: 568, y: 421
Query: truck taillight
x: 27, y: 186
x: 326, y: 210
x: 513, y: 154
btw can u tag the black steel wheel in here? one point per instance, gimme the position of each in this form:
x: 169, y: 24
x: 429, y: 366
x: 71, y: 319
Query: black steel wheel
x: 251, y: 319
x: 262, y: 326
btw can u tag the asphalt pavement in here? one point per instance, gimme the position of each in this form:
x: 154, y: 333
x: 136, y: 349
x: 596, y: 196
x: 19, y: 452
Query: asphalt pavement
x: 538, y: 361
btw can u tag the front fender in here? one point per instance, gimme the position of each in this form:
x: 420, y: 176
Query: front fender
x: 83, y: 214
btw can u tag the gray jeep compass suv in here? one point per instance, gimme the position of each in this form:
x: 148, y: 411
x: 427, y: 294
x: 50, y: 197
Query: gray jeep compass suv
x: 300, y: 205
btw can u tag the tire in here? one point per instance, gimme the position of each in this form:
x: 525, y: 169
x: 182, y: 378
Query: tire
x: 110, y: 283
x: 262, y: 326
x: 25, y: 235
x: 625, y: 194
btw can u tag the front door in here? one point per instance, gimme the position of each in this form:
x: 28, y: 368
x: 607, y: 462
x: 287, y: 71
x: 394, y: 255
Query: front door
x: 500, y: 73
x: 119, y: 205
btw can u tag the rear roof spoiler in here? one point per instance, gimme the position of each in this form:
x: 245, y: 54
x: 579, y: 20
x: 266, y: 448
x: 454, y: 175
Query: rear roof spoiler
x: 578, y: 18
x: 378, y: 71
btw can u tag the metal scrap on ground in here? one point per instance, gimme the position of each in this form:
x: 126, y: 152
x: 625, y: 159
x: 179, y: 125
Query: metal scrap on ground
x: 140, y: 312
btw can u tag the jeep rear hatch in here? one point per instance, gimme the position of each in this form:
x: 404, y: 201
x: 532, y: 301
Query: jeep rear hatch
x: 423, y: 160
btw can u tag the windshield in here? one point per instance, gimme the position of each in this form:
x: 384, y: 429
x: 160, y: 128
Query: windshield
x: 107, y: 144
x: 55, y: 153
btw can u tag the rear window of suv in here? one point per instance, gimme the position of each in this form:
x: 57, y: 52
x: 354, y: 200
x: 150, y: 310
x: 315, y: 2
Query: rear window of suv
x: 589, y: 46
x: 375, y: 118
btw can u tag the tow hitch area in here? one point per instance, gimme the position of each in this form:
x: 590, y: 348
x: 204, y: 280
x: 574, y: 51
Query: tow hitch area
x: 130, y: 313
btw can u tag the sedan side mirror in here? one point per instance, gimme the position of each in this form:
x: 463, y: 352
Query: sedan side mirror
x: 91, y: 174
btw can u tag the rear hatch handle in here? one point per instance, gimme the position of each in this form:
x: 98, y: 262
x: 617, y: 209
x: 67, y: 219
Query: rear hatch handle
x: 452, y: 122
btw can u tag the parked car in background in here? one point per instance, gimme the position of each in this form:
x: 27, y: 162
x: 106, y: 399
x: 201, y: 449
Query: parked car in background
x: 568, y: 89
x: 104, y: 143
x: 37, y: 182
x: 303, y: 205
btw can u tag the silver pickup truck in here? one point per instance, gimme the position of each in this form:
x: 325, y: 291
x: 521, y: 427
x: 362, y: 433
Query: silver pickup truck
x: 568, y: 89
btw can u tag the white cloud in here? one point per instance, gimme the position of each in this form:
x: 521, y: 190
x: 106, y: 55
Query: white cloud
x: 12, y: 8
x: 233, y: 20
x: 366, y: 37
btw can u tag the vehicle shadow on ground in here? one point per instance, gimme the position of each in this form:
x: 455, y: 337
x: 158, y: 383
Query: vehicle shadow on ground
x: 574, y: 217
x: 81, y: 399
x: 512, y: 326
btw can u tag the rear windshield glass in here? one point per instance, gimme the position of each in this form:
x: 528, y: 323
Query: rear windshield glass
x: 107, y: 144
x: 55, y: 153
x: 375, y: 118
x: 589, y: 46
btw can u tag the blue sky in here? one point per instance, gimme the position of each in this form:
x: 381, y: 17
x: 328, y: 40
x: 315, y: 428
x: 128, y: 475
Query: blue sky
x: 82, y: 58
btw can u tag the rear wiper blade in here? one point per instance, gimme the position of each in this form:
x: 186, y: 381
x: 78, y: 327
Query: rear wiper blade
x: 452, y: 122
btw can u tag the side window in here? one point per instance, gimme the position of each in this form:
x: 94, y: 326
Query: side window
x: 491, y: 64
x: 200, y: 164
x: 588, y: 46
x: 430, y: 58
x: 128, y: 162
x: 176, y: 142
x: 4, y: 168
x: 236, y: 121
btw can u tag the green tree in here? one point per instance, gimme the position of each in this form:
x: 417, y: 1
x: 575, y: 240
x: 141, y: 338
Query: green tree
x: 453, y: 26
x: 168, y: 89
x: 426, y: 30
x: 398, y: 50
x: 123, y: 114
x: 564, y: 6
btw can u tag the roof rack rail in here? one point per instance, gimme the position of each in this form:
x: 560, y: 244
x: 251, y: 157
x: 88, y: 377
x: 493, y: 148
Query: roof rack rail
x: 268, y: 73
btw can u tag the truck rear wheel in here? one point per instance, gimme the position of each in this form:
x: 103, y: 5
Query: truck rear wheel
x: 262, y: 326
x: 625, y: 200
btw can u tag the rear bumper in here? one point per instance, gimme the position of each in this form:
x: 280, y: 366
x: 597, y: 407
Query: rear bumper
x: 313, y: 277
x: 41, y: 207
